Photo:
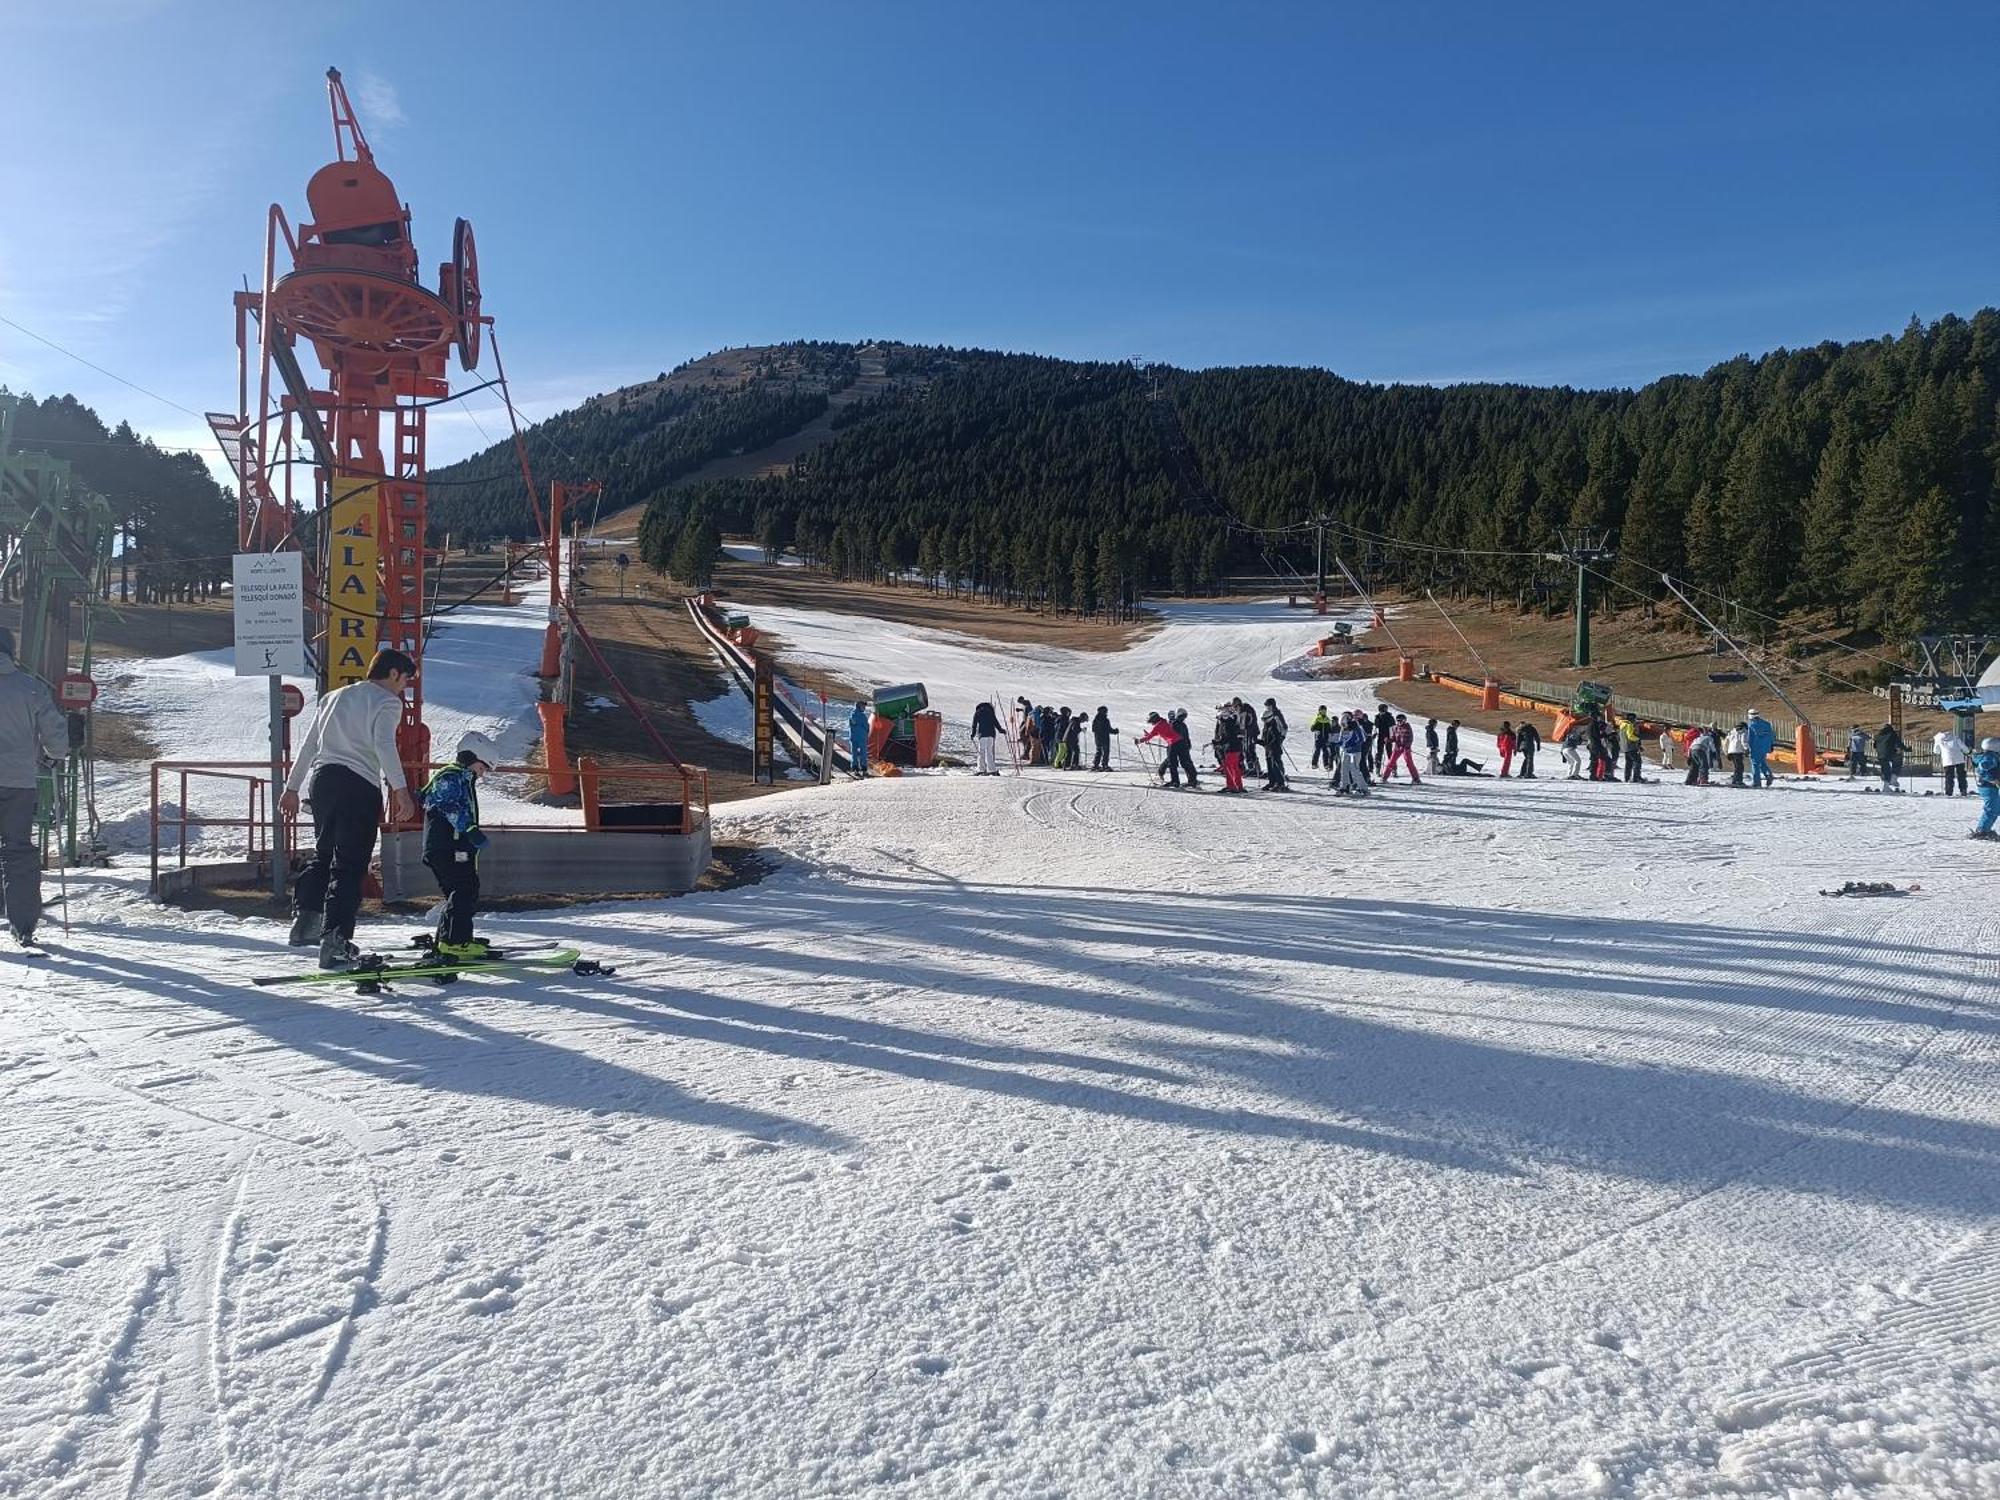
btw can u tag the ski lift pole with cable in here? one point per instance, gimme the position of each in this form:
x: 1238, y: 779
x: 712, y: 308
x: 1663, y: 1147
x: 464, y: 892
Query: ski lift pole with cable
x: 1484, y: 669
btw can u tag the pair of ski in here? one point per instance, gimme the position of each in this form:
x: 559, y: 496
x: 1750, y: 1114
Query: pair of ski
x: 375, y: 971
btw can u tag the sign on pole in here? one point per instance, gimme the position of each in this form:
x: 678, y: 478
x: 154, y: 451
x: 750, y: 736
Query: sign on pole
x: 270, y: 595
x: 762, y: 770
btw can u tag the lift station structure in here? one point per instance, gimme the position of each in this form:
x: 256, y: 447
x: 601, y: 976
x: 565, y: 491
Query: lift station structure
x: 347, y: 284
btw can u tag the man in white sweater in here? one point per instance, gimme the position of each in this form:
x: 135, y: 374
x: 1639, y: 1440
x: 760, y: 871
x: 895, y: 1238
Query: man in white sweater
x: 348, y: 753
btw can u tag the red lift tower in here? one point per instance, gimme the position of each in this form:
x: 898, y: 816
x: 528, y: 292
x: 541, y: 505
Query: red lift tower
x: 351, y: 291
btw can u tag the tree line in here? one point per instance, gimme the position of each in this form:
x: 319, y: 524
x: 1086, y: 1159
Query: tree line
x: 175, y: 526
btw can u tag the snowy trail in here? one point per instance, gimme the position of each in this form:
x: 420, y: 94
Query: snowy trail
x: 1052, y: 1135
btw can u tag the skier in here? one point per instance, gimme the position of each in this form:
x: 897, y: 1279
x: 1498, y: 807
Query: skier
x: 1399, y: 750
x: 31, y: 730
x: 1430, y: 747
x: 1354, y: 757
x: 1572, y: 751
x: 985, y: 730
x: 858, y: 747
x: 1059, y: 753
x: 1229, y: 747
x: 1735, y: 747
x: 1024, y: 730
x: 1666, y: 747
x: 1600, y: 749
x: 1761, y: 738
x: 1857, y: 752
x: 1246, y: 719
x: 1072, y: 743
x: 1274, y: 729
x: 1045, y: 735
x: 1384, y: 722
x: 1889, y: 748
x: 1101, y: 730
x: 1322, y: 733
x: 452, y: 841
x: 1504, y: 742
x: 1987, y: 764
x: 348, y: 753
x: 1527, y: 740
x: 1171, y: 736
x: 1182, y: 748
x: 1628, y: 737
x: 1951, y: 756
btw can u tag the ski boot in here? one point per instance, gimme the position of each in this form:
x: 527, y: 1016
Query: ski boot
x: 308, y: 927
x: 336, y: 953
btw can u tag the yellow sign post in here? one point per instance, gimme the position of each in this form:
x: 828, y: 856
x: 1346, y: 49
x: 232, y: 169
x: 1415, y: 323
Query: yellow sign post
x: 354, y: 610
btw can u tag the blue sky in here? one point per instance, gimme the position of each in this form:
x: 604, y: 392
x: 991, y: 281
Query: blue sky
x: 1583, y: 194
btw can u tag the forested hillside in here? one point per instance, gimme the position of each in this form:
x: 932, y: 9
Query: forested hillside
x: 177, y: 525
x: 1853, y: 479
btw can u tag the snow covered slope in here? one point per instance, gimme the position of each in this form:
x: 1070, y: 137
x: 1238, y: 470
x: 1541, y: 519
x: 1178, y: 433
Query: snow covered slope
x: 1052, y: 1135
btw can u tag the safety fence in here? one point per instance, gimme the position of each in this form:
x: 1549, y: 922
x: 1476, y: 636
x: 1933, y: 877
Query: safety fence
x: 809, y: 741
x: 221, y: 811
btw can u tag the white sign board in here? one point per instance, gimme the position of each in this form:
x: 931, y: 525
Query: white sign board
x: 270, y: 595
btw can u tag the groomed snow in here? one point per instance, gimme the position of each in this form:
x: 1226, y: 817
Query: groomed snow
x: 1052, y: 1135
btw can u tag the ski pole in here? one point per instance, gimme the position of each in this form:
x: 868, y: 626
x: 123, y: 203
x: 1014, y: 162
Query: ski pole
x: 62, y: 858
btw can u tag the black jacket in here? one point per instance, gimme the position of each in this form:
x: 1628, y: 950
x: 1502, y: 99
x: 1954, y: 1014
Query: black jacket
x: 985, y: 722
x: 1100, y: 725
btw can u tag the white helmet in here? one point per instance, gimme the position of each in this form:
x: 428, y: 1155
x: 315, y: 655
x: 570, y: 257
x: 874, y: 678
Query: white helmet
x: 480, y: 748
x: 1992, y: 743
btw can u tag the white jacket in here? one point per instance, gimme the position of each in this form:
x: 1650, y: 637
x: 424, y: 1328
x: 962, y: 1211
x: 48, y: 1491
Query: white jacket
x: 356, y: 728
x: 1738, y: 743
x: 1950, y: 749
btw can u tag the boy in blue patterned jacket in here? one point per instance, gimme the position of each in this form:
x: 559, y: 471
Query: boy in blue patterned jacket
x: 452, y: 841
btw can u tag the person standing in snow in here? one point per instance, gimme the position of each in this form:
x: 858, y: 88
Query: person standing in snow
x: 1666, y: 747
x: 1101, y: 730
x: 1987, y: 764
x: 1760, y: 739
x: 1384, y: 722
x: 1572, y: 750
x: 1182, y: 748
x: 1735, y: 747
x: 1321, y: 729
x: 1354, y: 757
x: 1228, y: 745
x: 452, y: 841
x: 1889, y: 748
x: 31, y: 730
x: 985, y: 730
x: 858, y: 747
x: 1450, y: 747
x: 1430, y: 747
x: 1072, y: 744
x: 1274, y: 729
x: 1527, y: 740
x: 1246, y: 720
x: 1400, y: 737
x: 1504, y: 742
x: 1628, y: 739
x: 1951, y: 758
x: 1857, y: 752
x: 1059, y: 744
x: 347, y: 755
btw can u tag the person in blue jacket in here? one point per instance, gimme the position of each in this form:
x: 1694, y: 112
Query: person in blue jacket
x: 857, y: 739
x: 452, y: 841
x: 1986, y: 765
x: 1762, y: 737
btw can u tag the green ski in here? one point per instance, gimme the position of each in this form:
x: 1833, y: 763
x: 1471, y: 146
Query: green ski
x: 379, y: 973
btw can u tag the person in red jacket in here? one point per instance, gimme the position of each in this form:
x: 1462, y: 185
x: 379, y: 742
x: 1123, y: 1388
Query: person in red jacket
x: 1505, y: 742
x: 1400, y: 736
x: 1172, y: 733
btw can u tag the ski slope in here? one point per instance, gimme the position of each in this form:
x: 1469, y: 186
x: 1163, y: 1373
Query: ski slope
x: 1052, y: 1135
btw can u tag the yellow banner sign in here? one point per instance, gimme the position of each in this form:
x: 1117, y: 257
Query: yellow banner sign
x: 354, y: 611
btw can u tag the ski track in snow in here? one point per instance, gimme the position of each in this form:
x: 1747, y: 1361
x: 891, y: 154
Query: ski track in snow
x: 1048, y: 1135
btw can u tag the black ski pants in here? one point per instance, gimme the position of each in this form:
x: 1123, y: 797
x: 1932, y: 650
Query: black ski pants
x: 346, y: 812
x: 1527, y: 757
x: 1179, y: 756
x: 20, y: 860
x: 1954, y: 776
x: 1632, y: 763
x: 458, y: 878
x: 1100, y: 759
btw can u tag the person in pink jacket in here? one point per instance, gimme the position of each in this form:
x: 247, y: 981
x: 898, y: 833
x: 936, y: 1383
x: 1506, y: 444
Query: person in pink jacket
x: 1400, y: 736
x: 1505, y: 742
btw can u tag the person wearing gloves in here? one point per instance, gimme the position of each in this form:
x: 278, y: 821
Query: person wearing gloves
x: 1273, y: 731
x: 452, y: 841
x: 32, y: 730
x: 1736, y: 747
x: 1987, y: 764
x: 1889, y: 748
x: 1952, y: 757
x: 1857, y: 752
x: 1228, y: 746
x: 1101, y: 730
x: 347, y: 756
x: 1761, y: 739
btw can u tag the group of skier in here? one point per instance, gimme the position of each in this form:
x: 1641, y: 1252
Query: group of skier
x: 1044, y: 736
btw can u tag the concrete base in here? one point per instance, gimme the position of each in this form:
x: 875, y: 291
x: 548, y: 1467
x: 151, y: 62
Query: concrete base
x: 560, y: 862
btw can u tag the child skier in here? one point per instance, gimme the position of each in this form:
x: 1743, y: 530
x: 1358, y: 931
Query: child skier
x: 1986, y: 763
x: 452, y: 841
